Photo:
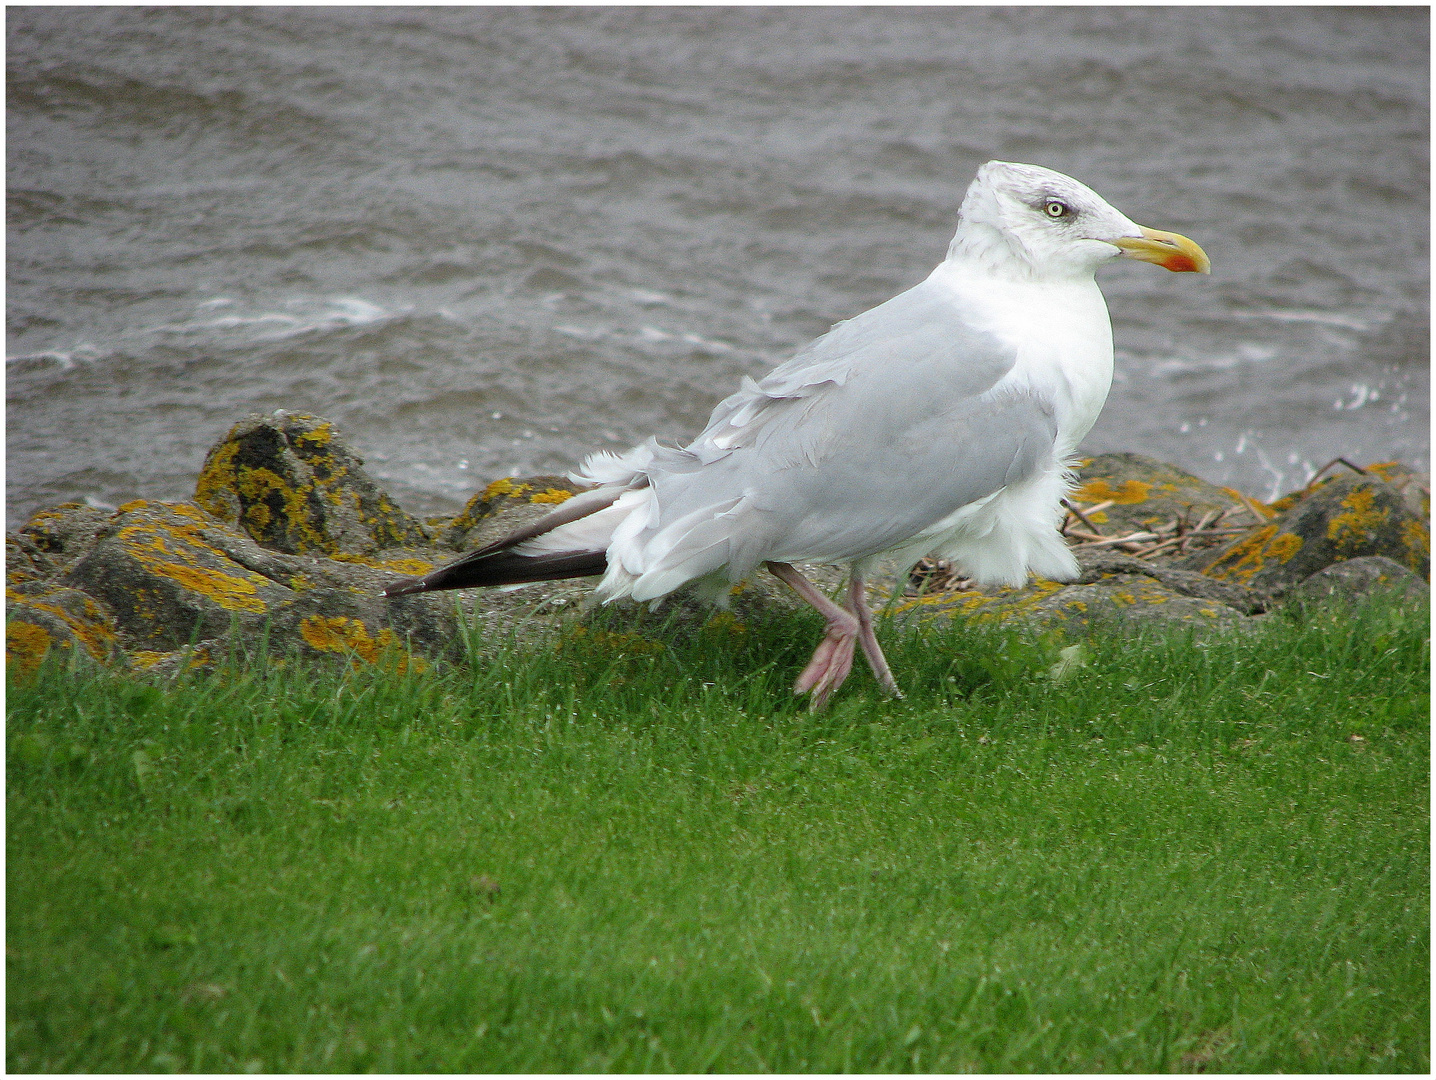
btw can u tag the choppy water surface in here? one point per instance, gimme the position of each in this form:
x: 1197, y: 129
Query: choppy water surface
x: 487, y: 241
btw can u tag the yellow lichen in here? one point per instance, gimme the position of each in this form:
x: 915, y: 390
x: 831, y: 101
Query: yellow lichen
x: 147, y: 544
x: 89, y: 626
x: 256, y: 484
x: 264, y: 494
x: 1261, y: 508
x: 1384, y: 469
x: 1041, y: 588
x: 327, y: 635
x: 144, y: 659
x: 966, y: 602
x: 412, y: 567
x: 341, y: 634
x: 258, y: 515
x: 1285, y: 503
x: 185, y: 510
x: 1131, y: 491
x: 551, y: 495
x: 321, y: 435
x: 217, y: 477
x: 228, y: 591
x: 504, y: 486
x: 18, y: 574
x: 25, y: 646
x: 1416, y: 538
x: 1284, y: 547
x: 1244, y: 560
x: 1361, y: 522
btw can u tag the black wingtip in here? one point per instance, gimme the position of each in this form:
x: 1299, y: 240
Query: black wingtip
x: 405, y: 587
x: 502, y: 568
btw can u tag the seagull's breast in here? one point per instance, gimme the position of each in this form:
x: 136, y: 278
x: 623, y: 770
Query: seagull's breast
x: 1060, y: 333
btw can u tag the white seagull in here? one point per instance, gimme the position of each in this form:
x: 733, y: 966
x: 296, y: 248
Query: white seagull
x: 941, y: 423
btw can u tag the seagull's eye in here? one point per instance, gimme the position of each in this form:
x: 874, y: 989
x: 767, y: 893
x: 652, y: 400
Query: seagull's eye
x: 1057, y: 209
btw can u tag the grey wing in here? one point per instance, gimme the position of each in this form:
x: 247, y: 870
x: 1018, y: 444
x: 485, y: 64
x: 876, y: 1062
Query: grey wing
x: 869, y: 493
x: 871, y: 497
x: 878, y: 431
x: 916, y: 339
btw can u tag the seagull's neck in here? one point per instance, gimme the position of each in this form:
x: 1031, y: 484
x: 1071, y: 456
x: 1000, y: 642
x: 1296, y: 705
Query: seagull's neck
x: 1058, y: 330
x: 980, y: 249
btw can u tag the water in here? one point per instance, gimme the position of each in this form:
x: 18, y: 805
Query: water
x: 485, y: 241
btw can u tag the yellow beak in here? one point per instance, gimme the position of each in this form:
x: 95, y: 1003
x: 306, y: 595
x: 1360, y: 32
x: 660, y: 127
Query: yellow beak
x: 1168, y: 249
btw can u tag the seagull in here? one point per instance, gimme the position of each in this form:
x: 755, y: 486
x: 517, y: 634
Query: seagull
x: 941, y: 423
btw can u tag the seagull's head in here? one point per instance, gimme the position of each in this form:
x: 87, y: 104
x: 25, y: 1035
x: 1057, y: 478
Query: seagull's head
x: 1027, y: 222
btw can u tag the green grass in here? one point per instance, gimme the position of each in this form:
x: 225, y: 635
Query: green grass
x: 639, y: 854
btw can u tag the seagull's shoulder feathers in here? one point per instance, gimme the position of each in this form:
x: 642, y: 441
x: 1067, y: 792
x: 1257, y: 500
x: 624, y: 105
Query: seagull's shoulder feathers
x: 915, y: 355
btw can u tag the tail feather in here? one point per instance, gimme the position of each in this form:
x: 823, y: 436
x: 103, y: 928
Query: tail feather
x: 503, y: 568
x: 498, y: 564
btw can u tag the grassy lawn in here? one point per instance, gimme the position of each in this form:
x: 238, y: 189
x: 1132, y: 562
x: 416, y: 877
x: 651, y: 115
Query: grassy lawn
x: 635, y: 852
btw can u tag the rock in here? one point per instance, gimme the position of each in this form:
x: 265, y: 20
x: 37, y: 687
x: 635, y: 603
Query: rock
x: 688, y: 610
x: 42, y: 617
x: 1341, y: 518
x: 1100, y: 564
x: 291, y: 482
x: 1126, y: 600
x: 1415, y: 487
x: 196, y: 657
x: 1112, y: 586
x: 166, y: 583
x: 52, y: 541
x: 506, y: 505
x: 1356, y: 579
x: 171, y: 574
x: 1146, y: 492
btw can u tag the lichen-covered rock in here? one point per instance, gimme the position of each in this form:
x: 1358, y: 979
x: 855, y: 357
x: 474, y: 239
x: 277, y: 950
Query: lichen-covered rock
x: 1415, y: 487
x: 1145, y: 492
x: 1113, y: 599
x: 197, y: 657
x: 291, y: 482
x: 52, y: 541
x: 39, y: 618
x: 172, y: 574
x: 1342, y: 518
x: 166, y: 583
x: 1100, y: 564
x: 1357, y: 579
x: 503, y: 506
x: 367, y: 630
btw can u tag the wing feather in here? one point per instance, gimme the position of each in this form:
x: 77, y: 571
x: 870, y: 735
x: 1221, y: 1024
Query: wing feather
x: 917, y: 342
x: 877, y: 431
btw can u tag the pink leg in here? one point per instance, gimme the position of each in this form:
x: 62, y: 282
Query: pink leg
x: 833, y: 658
x: 850, y: 626
x: 858, y: 604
